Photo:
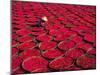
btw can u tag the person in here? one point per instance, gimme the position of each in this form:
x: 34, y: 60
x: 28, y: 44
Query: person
x: 41, y: 21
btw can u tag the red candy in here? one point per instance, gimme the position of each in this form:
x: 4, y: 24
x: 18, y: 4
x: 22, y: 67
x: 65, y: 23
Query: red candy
x: 14, y: 51
x: 37, y: 28
x: 85, y: 46
x: 35, y: 64
x: 23, y: 32
x: 86, y: 61
x: 14, y: 36
x: 14, y: 43
x: 51, y: 54
x: 92, y: 51
x: 27, y: 45
x: 16, y: 61
x: 38, y: 33
x: 75, y: 53
x: 73, y: 67
x: 66, y: 45
x: 90, y: 38
x: 44, y: 37
x: 25, y: 38
x: 29, y: 53
x: 77, y: 39
x: 61, y: 63
x: 47, y: 45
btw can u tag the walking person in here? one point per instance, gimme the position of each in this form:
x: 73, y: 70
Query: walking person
x: 41, y: 21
